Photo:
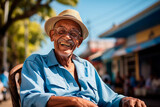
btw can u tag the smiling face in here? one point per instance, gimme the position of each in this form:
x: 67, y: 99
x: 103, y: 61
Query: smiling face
x: 66, y: 36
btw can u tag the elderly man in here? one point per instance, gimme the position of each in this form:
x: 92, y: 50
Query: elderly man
x: 62, y: 79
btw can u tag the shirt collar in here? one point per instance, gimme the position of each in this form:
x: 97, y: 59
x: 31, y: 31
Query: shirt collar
x: 52, y: 60
x: 75, y: 57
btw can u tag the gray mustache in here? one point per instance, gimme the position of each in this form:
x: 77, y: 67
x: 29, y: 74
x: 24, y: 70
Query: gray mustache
x: 67, y: 41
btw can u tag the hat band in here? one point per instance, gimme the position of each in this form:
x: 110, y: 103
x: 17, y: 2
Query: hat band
x: 70, y: 16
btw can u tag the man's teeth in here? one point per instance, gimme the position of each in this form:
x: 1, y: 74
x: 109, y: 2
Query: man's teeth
x: 66, y: 44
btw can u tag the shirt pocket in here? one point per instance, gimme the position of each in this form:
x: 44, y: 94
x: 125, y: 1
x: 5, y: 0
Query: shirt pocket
x: 55, y: 83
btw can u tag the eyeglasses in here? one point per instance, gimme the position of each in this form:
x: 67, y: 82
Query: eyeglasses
x: 63, y: 31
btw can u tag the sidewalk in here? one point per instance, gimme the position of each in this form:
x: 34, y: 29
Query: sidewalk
x: 7, y: 103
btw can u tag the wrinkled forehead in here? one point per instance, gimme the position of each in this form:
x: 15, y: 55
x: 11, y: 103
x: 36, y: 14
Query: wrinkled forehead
x: 67, y: 23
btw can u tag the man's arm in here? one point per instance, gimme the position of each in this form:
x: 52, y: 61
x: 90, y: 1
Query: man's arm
x: 107, y: 97
x: 60, y: 101
x: 32, y: 91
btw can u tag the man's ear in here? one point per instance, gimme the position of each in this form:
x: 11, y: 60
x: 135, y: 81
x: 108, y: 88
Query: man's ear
x: 80, y: 41
x: 52, y: 35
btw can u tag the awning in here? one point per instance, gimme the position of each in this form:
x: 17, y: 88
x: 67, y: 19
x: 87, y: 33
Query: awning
x: 109, y: 53
x: 96, y: 56
x: 137, y: 47
x: 143, y: 45
x: 119, y: 51
x: 97, y: 59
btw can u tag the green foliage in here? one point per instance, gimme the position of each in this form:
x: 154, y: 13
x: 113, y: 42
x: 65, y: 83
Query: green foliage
x: 18, y: 11
x: 16, y: 39
x: 21, y: 9
x: 45, y: 13
x: 68, y: 2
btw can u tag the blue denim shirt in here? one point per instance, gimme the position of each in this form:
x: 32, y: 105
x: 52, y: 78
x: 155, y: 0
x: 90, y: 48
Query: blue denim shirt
x: 42, y: 77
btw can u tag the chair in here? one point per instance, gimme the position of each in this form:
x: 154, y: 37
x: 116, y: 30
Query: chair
x: 14, y: 85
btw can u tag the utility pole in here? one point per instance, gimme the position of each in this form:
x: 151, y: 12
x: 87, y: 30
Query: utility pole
x: 26, y: 37
x: 5, y: 65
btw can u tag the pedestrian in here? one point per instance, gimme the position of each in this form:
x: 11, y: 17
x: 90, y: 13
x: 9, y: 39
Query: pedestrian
x: 4, y: 81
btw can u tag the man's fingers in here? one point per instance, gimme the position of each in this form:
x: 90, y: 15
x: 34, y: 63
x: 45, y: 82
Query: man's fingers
x: 138, y: 103
x: 143, y: 104
x: 132, y: 102
x: 129, y: 103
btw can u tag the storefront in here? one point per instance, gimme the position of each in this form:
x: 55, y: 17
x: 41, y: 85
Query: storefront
x: 149, y: 60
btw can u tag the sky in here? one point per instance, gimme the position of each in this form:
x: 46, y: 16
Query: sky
x: 99, y: 16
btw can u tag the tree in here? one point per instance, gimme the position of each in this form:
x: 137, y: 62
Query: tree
x: 21, y: 9
x: 16, y: 46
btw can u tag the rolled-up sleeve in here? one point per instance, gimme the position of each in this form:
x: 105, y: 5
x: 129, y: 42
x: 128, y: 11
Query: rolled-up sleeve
x: 32, y: 91
x: 107, y: 97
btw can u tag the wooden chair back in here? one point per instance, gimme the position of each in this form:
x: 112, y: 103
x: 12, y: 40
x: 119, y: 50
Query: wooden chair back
x: 14, y: 85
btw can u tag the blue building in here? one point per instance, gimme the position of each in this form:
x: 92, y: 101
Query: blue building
x: 139, y: 53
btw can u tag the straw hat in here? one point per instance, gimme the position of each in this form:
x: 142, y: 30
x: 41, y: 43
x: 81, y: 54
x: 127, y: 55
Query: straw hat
x: 66, y: 14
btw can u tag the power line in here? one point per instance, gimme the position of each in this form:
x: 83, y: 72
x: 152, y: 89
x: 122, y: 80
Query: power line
x: 113, y: 15
x: 88, y: 22
x: 111, y: 10
x: 105, y: 21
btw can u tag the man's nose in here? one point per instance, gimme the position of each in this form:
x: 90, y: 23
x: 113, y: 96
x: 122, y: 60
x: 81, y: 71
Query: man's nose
x: 68, y: 36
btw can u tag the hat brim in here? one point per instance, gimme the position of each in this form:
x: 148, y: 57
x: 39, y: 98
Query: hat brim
x: 51, y: 22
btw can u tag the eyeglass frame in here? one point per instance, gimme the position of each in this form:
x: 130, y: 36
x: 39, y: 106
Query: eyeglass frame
x: 67, y: 32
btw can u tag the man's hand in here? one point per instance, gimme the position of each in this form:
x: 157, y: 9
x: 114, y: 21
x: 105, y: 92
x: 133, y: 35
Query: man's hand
x: 80, y: 102
x: 132, y: 102
x: 60, y: 101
